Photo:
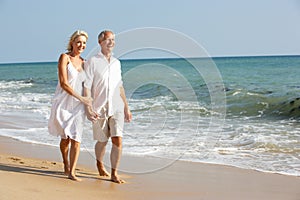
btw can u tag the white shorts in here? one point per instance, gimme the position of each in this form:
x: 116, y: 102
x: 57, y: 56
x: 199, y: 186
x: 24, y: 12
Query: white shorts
x: 104, y: 128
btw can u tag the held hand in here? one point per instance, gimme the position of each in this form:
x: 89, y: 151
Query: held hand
x: 92, y: 115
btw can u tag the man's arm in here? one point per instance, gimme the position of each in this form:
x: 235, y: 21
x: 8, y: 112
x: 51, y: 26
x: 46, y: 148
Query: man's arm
x: 89, y: 71
x: 127, y: 112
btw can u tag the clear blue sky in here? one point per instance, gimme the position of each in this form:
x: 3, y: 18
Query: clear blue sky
x: 38, y: 30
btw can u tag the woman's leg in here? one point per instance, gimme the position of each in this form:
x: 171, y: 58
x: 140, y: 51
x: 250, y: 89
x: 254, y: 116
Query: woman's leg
x: 74, y: 154
x: 64, y: 149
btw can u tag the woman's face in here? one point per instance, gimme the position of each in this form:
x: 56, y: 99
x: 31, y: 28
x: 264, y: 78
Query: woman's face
x: 79, y: 44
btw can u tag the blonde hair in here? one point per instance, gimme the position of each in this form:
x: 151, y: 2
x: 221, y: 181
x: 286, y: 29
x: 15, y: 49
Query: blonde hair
x: 74, y: 36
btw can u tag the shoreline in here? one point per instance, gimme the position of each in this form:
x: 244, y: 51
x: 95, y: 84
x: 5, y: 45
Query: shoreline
x: 40, y: 166
x: 159, y: 160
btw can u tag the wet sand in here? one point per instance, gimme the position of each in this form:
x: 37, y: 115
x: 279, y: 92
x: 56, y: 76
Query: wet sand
x: 33, y: 171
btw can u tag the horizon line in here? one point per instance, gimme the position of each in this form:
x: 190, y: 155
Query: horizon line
x: 162, y: 58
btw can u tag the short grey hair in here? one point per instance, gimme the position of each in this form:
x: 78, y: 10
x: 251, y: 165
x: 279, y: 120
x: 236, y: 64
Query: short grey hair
x: 102, y: 35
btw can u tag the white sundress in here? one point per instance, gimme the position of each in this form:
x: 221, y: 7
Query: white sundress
x: 67, y: 112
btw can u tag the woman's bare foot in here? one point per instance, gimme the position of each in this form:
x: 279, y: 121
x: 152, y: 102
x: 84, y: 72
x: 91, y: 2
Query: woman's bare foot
x: 101, y: 169
x: 116, y: 179
x: 73, y: 177
x: 66, y: 170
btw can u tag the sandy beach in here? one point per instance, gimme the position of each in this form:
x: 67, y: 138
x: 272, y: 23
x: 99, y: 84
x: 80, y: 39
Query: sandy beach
x: 33, y: 171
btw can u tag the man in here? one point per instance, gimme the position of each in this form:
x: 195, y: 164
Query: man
x: 110, y: 108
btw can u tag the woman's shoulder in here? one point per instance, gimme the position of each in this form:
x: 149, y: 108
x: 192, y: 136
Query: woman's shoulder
x: 64, y: 56
x: 64, y: 59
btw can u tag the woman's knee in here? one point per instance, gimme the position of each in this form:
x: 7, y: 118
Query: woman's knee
x: 75, y: 144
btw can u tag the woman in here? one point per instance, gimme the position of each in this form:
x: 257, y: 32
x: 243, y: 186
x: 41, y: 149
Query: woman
x: 68, y: 111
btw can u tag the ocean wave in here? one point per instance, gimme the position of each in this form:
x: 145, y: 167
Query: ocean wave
x: 262, y: 105
x: 16, y: 84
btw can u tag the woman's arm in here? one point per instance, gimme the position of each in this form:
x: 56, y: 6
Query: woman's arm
x: 63, y: 79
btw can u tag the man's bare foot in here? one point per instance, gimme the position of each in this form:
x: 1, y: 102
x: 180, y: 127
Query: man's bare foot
x: 73, y: 177
x: 101, y: 169
x: 116, y: 179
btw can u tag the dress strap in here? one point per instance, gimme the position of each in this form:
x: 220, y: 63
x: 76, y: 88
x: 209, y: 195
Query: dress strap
x: 69, y: 60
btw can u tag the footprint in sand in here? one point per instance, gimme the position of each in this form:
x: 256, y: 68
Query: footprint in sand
x: 15, y: 159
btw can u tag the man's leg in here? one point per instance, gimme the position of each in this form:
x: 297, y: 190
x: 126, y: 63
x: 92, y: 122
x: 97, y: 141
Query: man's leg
x: 100, y: 152
x: 115, y: 157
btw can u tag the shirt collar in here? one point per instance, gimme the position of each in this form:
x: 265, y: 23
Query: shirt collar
x: 101, y: 54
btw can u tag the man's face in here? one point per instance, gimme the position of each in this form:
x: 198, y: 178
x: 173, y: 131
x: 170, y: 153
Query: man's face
x: 108, y: 43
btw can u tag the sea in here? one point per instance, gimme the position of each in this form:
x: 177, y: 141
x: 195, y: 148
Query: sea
x: 236, y: 111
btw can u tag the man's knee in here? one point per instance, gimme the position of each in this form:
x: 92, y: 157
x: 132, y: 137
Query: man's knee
x: 117, y: 141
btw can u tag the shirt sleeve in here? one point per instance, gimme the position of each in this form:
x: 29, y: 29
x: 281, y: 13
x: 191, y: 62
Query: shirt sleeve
x: 120, y: 81
x: 88, y: 67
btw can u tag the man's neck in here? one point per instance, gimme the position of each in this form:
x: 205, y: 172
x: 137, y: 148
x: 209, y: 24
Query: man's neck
x: 107, y: 55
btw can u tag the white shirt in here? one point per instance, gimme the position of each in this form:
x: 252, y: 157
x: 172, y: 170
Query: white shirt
x: 104, y: 80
